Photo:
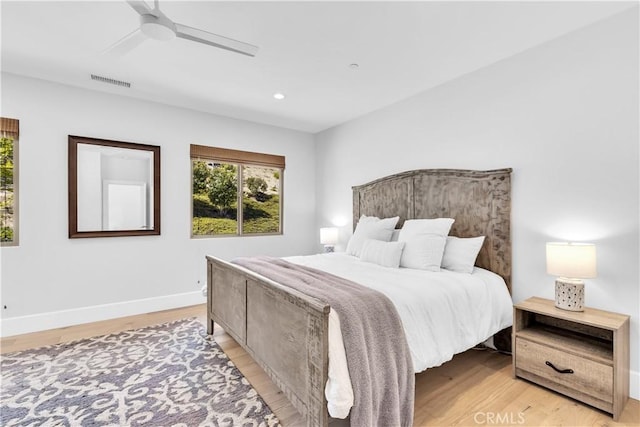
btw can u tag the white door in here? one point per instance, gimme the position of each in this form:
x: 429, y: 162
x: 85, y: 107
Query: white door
x: 125, y: 205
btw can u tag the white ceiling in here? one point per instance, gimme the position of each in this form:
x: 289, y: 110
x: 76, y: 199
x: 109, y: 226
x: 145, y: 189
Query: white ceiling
x: 402, y: 48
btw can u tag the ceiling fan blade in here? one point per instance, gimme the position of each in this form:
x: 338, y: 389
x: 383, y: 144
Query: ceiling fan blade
x: 140, y: 6
x: 211, y: 39
x: 126, y: 44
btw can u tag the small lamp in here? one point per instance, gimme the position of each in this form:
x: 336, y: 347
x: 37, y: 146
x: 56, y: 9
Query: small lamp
x: 329, y: 237
x: 571, y: 262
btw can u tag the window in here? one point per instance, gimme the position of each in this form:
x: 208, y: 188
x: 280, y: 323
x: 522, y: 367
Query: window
x: 235, y: 193
x: 9, y: 130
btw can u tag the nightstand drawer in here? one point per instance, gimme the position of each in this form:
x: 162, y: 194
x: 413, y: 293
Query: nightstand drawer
x: 589, y: 377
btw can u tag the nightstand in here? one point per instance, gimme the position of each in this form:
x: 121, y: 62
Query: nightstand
x: 584, y: 355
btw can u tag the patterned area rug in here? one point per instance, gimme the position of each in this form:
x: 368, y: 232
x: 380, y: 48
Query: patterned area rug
x: 166, y: 375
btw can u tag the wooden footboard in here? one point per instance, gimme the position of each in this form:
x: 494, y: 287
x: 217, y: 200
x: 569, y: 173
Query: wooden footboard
x: 285, y: 331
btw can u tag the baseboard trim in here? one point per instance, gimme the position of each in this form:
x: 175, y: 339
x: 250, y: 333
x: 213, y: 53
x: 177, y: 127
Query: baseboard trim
x: 59, y: 319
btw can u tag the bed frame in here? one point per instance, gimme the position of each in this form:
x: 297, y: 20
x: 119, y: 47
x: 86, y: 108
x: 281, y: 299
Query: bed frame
x: 286, y: 331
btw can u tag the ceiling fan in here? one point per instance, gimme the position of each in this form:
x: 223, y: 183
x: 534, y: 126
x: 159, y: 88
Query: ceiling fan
x: 156, y: 25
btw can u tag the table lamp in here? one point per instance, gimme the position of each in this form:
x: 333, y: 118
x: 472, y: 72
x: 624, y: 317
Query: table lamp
x: 329, y: 237
x: 570, y: 263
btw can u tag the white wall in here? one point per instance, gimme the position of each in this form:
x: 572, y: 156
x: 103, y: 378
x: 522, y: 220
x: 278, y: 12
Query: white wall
x: 50, y: 280
x: 563, y: 115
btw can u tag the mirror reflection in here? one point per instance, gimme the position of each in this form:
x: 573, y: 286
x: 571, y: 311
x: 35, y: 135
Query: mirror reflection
x: 116, y: 186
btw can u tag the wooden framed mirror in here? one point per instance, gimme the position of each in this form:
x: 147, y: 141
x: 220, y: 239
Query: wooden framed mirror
x: 114, y: 188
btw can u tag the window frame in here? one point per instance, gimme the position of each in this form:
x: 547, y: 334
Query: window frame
x: 11, y: 128
x: 239, y: 159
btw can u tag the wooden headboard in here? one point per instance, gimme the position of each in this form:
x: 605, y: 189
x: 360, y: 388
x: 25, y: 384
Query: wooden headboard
x: 479, y: 201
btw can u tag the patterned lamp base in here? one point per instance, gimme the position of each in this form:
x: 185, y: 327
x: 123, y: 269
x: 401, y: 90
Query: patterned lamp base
x: 570, y: 294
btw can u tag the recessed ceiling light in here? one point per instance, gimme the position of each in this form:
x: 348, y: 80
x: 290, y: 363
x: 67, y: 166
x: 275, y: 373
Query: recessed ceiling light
x: 279, y: 96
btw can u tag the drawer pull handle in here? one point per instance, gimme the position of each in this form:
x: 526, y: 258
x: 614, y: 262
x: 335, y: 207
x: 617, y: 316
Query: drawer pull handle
x: 560, y: 371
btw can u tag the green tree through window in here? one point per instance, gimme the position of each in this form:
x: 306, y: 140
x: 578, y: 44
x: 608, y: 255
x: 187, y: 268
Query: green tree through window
x: 8, y: 178
x: 223, y: 190
x: 233, y: 196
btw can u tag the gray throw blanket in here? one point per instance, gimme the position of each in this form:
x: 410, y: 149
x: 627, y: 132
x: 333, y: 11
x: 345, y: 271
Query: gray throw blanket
x: 377, y: 353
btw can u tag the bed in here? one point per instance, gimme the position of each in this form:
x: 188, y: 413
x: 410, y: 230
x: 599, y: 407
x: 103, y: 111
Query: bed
x: 287, y: 332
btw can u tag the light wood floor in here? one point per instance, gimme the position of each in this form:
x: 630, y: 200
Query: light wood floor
x: 475, y: 388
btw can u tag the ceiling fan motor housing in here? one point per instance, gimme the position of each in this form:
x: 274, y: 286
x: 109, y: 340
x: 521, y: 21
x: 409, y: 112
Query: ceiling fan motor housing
x: 157, y: 27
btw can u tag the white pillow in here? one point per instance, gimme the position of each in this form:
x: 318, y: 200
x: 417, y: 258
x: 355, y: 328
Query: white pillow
x: 371, y: 227
x: 386, y: 254
x: 424, y: 242
x: 460, y: 253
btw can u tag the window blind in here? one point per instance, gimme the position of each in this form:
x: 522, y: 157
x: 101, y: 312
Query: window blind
x: 9, y: 127
x: 228, y: 155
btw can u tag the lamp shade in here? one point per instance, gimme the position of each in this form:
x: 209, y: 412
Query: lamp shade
x: 329, y: 235
x: 571, y: 260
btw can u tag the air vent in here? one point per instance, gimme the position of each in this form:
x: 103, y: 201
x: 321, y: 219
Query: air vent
x: 110, y: 81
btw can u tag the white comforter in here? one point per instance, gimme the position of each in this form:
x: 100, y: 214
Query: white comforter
x: 443, y: 313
